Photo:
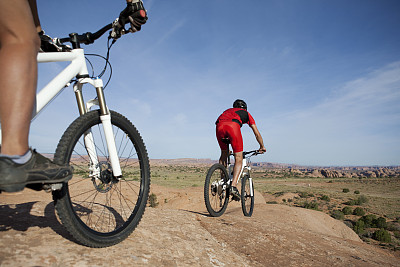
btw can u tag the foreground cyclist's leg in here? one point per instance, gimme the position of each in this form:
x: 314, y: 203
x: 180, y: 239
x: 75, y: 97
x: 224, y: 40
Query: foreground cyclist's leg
x: 19, y: 44
x: 18, y: 74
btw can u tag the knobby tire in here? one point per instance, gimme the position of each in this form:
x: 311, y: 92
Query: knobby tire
x: 102, y: 212
x: 247, y: 197
x: 217, y: 202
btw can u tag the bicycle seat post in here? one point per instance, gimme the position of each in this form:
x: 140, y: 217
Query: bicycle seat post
x: 227, y: 141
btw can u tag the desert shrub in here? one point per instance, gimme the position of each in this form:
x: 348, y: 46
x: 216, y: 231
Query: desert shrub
x: 397, y: 234
x: 382, y: 235
x: 347, y: 211
x: 337, y: 214
x: 357, y: 192
x: 272, y: 202
x: 325, y: 198
x: 153, y: 200
x: 358, y: 201
x: 351, y: 202
x: 311, y: 205
x: 359, y: 227
x: 346, y: 190
x: 368, y: 220
x: 278, y: 194
x: 303, y: 194
x: 361, y: 200
x: 380, y: 223
x: 290, y: 200
x: 359, y: 211
x: 348, y: 223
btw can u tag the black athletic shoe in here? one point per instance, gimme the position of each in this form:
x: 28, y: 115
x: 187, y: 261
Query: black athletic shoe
x: 38, y: 170
x: 235, y: 193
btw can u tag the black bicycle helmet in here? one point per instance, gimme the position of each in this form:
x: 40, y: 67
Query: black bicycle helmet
x: 240, y: 104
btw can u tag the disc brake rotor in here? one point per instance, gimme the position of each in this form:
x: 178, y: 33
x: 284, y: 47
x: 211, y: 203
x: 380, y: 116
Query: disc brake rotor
x: 105, y: 182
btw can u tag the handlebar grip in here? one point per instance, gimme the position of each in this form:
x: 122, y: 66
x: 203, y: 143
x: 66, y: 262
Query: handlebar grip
x: 141, y: 13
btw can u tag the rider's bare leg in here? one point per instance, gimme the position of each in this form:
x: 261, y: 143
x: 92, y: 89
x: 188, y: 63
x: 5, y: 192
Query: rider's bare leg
x: 19, y: 45
x: 237, y: 168
x: 32, y: 4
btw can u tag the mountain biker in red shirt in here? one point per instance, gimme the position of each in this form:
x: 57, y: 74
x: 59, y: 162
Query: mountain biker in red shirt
x: 19, y: 46
x: 228, y: 126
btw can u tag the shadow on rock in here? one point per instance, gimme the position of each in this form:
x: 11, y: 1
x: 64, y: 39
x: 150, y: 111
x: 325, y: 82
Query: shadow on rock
x: 18, y: 217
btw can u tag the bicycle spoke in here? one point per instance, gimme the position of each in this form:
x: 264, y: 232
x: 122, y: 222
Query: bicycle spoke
x: 104, y: 206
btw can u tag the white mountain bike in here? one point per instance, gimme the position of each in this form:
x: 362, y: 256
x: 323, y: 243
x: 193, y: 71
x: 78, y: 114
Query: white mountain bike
x: 218, y: 182
x: 105, y: 199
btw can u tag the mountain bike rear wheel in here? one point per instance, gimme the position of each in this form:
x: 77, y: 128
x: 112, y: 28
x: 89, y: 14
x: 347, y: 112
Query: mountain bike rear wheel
x: 216, y: 195
x: 98, y: 209
x: 247, y: 196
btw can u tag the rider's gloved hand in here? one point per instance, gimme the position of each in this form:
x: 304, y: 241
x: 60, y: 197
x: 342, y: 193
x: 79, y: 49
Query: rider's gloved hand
x: 135, y: 14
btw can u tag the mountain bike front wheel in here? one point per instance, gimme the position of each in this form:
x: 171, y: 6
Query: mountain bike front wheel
x: 247, y: 196
x: 98, y: 209
x: 216, y: 195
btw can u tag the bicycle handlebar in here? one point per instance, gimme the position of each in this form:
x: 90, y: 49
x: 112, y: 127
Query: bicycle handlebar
x: 89, y: 38
x: 253, y: 153
x: 86, y: 38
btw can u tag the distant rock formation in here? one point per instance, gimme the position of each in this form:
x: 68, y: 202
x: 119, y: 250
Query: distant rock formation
x: 362, y: 172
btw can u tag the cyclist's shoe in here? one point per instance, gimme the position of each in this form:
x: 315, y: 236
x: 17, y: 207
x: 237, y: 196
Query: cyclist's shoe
x: 47, y: 44
x: 38, y: 170
x: 235, y: 193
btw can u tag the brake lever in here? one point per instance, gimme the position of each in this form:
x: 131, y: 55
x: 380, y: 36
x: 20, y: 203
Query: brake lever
x: 117, y: 30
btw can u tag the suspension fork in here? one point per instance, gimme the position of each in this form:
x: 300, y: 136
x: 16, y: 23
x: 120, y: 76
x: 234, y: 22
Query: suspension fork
x: 251, y: 186
x: 105, y: 117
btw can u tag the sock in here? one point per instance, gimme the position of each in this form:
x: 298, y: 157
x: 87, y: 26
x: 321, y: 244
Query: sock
x: 19, y: 159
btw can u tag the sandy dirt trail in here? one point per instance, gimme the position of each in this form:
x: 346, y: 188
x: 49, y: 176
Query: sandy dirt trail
x: 179, y: 232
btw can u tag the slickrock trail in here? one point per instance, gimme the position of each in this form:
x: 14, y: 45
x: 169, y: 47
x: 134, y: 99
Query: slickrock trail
x: 180, y: 233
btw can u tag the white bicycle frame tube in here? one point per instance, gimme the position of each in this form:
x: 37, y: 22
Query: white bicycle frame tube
x: 244, y: 166
x: 77, y: 66
x: 55, y: 86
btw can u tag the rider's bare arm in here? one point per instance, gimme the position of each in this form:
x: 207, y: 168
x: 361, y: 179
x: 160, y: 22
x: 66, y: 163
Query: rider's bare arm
x: 258, y: 138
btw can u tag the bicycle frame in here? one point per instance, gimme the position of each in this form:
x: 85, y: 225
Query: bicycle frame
x: 245, y: 169
x: 78, y: 69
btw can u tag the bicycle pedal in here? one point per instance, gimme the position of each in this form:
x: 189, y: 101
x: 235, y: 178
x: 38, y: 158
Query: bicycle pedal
x: 52, y: 187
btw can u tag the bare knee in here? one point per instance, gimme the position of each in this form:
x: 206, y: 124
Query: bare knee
x: 26, y: 40
x: 22, y: 44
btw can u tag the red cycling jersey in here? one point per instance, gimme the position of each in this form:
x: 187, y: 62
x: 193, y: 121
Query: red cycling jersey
x: 238, y: 115
x: 228, y: 126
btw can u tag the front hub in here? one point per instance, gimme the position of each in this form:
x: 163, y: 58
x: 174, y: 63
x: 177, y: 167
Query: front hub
x: 105, y: 182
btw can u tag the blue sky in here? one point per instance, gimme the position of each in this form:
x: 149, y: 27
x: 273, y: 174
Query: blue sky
x: 321, y: 78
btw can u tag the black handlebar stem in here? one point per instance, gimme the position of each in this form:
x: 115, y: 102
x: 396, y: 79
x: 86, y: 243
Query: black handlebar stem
x: 86, y: 38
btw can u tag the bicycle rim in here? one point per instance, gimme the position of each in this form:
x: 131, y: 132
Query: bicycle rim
x: 216, y: 196
x: 247, y: 196
x: 96, y: 208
